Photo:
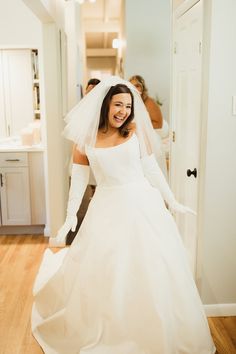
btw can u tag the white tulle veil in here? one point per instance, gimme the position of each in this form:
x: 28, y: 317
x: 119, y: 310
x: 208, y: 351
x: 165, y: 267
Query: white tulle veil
x: 83, y: 120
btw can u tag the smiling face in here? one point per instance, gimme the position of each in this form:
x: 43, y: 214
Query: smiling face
x: 119, y: 110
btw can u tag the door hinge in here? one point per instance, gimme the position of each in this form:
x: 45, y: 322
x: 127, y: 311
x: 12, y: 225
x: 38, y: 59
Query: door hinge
x: 175, y: 47
x: 200, y: 47
x: 173, y: 136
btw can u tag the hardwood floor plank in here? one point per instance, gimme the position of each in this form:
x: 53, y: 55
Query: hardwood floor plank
x: 223, y: 337
x: 230, y: 325
x: 21, y: 257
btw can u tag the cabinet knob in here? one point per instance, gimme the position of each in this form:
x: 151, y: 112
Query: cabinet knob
x: 1, y: 180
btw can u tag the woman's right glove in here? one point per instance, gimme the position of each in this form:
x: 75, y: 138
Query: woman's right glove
x: 79, y: 181
x: 155, y: 176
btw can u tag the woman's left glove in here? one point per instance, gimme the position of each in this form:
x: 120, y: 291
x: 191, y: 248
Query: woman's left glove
x: 180, y: 208
x: 156, y: 178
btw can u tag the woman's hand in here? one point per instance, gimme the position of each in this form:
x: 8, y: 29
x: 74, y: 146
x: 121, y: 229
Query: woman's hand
x: 60, y: 239
x: 180, y: 208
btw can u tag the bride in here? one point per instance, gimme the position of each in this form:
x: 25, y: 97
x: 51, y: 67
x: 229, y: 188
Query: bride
x: 124, y: 286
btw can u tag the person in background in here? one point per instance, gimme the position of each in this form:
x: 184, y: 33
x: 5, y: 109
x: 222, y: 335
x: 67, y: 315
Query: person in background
x: 152, y: 107
x: 91, y: 84
x: 158, y: 123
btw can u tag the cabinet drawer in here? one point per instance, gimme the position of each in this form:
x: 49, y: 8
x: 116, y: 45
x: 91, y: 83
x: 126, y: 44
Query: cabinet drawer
x: 8, y: 159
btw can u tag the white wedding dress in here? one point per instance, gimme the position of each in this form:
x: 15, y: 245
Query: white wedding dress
x: 124, y: 286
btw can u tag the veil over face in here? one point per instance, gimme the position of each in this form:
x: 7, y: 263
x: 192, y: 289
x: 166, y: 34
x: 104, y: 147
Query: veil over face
x: 83, y: 120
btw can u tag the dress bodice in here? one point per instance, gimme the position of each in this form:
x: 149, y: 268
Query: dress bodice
x: 116, y: 165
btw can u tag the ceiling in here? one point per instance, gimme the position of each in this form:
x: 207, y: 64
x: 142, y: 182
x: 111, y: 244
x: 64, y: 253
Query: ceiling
x: 102, y: 23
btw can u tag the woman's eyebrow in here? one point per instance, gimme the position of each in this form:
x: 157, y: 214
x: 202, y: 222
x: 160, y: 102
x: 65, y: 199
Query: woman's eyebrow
x: 122, y: 102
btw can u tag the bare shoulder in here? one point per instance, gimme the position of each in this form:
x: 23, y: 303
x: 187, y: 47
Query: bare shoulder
x: 132, y: 127
x: 150, y: 102
x: 78, y: 157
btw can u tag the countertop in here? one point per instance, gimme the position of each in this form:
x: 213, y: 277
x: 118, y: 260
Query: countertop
x: 14, y: 145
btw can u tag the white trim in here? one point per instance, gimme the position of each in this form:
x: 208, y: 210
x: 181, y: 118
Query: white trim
x: 180, y: 10
x: 47, y: 231
x: 219, y: 310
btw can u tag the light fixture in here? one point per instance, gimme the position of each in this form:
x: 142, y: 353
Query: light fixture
x: 116, y: 43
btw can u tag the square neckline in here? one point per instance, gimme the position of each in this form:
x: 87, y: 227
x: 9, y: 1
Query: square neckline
x: 115, y: 146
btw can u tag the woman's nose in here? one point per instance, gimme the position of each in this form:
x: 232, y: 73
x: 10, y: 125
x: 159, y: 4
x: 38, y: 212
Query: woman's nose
x: 123, y: 109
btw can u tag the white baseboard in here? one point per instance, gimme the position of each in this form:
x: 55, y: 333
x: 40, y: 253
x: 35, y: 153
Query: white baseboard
x: 220, y: 310
x: 47, y: 231
x: 22, y: 230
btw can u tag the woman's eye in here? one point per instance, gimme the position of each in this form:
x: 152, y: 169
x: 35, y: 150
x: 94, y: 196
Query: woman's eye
x: 121, y: 105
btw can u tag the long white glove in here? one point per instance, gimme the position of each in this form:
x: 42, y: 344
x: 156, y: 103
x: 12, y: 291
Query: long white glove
x: 79, y: 181
x: 155, y: 176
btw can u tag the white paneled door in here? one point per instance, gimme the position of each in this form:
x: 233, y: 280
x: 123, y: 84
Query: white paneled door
x: 187, y: 120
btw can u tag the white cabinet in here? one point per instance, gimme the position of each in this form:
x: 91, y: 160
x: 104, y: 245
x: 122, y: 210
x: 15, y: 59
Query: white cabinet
x: 15, y: 191
x: 22, y: 188
x: 16, y: 91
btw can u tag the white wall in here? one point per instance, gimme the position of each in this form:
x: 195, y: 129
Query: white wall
x: 75, y: 62
x: 55, y: 9
x: 56, y: 147
x: 101, y: 63
x: 147, y: 28
x: 218, y: 234
x: 19, y: 27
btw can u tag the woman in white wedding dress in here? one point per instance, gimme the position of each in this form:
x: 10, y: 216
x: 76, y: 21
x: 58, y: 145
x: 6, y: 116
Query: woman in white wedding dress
x: 124, y: 286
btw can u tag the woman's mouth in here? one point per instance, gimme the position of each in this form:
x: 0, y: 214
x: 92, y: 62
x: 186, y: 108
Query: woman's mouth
x: 119, y: 119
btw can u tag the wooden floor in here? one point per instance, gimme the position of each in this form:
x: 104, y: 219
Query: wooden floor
x: 20, y: 257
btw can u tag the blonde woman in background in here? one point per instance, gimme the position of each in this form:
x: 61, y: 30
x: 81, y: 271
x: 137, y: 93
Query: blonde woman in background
x: 158, y: 123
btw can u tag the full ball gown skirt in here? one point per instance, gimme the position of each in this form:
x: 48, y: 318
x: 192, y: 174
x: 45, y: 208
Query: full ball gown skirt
x: 124, y: 286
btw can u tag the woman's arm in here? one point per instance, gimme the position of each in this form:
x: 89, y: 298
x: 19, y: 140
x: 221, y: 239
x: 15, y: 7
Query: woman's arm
x: 154, y: 113
x: 79, y: 181
x: 78, y: 157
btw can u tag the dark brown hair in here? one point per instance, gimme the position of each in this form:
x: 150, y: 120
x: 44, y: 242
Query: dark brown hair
x: 93, y: 81
x: 115, y: 90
